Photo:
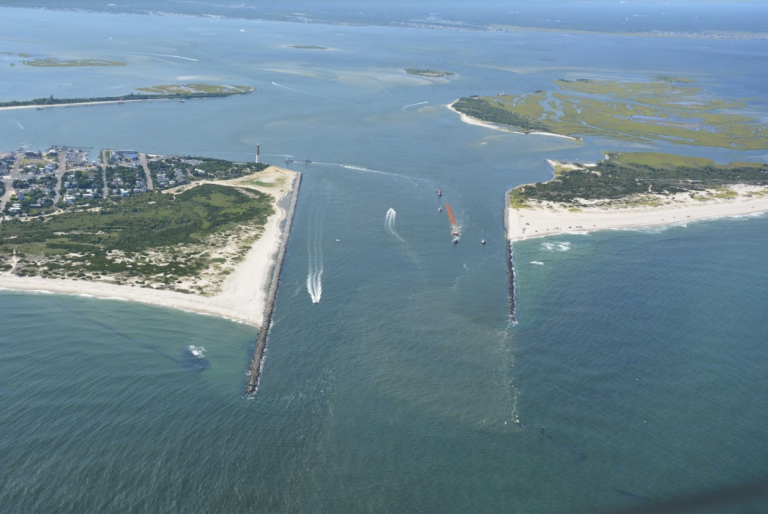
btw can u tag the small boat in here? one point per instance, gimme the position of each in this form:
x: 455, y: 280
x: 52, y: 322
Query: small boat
x: 455, y: 240
x: 39, y: 109
x: 288, y: 161
x: 439, y: 209
x: 307, y: 161
x: 182, y: 101
x: 439, y: 192
x: 482, y: 242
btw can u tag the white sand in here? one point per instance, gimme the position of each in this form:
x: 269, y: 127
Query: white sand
x: 551, y: 219
x: 474, y: 121
x: 242, y: 295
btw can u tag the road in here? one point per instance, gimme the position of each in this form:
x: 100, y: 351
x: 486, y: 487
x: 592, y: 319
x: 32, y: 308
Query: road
x: 104, y: 172
x: 62, y: 169
x: 9, y: 180
x: 143, y: 161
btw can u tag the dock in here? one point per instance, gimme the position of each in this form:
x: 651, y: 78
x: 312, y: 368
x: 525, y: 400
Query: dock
x: 257, y: 361
x: 510, y: 261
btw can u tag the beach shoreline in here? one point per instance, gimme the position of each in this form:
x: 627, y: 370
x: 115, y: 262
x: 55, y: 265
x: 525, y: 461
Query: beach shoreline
x: 552, y: 219
x: 480, y: 123
x: 242, y: 296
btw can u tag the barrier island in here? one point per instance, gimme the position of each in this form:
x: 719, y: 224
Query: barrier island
x: 181, y: 92
x: 635, y: 190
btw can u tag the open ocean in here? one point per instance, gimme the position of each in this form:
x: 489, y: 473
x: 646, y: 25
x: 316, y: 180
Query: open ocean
x: 394, y: 380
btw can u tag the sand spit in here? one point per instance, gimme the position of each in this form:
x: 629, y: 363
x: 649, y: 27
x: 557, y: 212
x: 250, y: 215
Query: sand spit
x: 474, y: 121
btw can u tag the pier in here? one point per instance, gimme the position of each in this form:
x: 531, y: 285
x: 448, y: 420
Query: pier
x: 510, y: 261
x: 254, y: 371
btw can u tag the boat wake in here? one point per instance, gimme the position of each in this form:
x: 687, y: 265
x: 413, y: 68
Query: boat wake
x: 18, y: 124
x: 286, y: 87
x: 375, y: 172
x: 155, y: 55
x: 389, y: 224
x: 413, y: 105
x: 315, y: 257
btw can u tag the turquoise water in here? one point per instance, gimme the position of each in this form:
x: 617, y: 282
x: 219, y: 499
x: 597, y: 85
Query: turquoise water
x: 404, y: 387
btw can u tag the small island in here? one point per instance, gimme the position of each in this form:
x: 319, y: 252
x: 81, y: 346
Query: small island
x: 308, y: 47
x: 428, y: 73
x: 180, y: 92
x: 53, y: 62
x: 635, y: 190
x: 193, y: 233
x: 663, y: 109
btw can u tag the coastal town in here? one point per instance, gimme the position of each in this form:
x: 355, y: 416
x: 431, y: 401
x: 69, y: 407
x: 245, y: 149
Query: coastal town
x: 43, y: 182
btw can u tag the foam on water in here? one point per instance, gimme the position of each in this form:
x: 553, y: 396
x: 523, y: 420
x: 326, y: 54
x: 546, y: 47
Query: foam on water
x: 557, y: 246
x: 197, y: 351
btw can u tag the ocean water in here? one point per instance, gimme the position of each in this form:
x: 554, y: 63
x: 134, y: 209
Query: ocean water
x: 394, y: 380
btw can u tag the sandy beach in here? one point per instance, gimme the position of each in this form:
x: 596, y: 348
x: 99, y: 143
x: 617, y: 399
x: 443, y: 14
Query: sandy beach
x: 474, y: 121
x: 242, y: 295
x: 552, y: 219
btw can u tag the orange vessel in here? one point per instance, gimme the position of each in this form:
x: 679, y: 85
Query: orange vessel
x: 454, y: 226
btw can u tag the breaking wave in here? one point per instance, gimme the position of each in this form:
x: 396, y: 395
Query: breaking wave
x: 557, y: 246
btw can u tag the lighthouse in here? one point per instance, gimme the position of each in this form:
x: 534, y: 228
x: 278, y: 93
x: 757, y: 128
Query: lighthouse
x: 257, y: 153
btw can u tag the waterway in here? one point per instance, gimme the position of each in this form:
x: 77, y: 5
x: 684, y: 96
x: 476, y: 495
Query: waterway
x: 393, y: 380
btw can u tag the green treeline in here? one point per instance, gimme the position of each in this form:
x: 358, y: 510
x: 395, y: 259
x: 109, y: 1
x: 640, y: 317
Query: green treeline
x: 138, y: 224
x: 485, y: 110
x: 611, y: 179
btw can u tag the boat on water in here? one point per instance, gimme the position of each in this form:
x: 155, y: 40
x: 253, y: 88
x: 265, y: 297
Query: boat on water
x: 307, y: 161
x: 439, y: 192
x: 439, y: 209
x: 455, y: 231
x: 482, y: 242
x: 288, y: 161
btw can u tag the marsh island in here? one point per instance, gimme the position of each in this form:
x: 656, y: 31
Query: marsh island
x: 668, y: 109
